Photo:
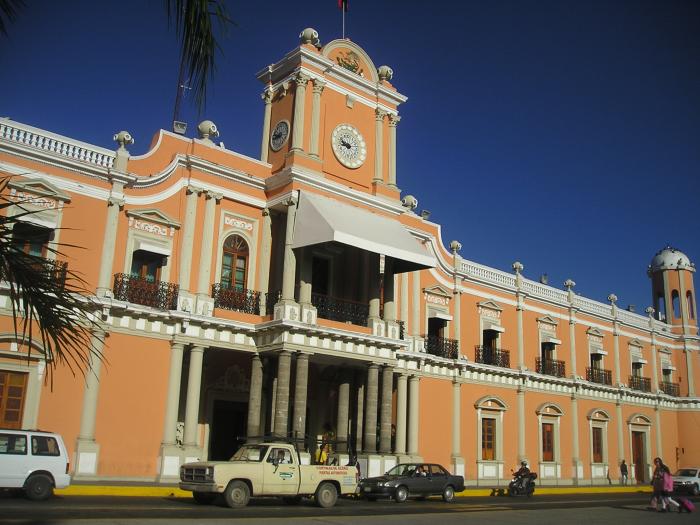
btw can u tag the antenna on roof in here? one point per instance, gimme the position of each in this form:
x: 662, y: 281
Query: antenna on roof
x: 180, y: 127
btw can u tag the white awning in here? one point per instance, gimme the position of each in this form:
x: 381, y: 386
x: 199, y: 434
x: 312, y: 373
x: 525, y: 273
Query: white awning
x: 320, y: 219
x: 667, y: 366
x: 153, y: 248
x: 551, y: 339
x: 598, y: 350
x: 488, y: 325
x: 32, y: 218
x: 638, y: 359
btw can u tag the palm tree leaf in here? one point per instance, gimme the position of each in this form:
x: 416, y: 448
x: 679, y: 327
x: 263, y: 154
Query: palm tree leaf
x: 8, y: 13
x: 194, y: 25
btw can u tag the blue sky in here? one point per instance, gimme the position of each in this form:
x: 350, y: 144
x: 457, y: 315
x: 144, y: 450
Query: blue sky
x: 562, y: 134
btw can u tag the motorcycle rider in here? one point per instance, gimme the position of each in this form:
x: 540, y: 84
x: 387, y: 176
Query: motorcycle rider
x: 521, y: 475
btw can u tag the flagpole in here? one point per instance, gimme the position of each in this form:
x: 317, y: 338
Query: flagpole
x: 343, y: 10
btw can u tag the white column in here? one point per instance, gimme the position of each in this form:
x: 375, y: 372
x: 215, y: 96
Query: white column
x: 572, y: 342
x: 288, y: 273
x: 299, y: 100
x: 188, y: 230
x: 172, y: 402
x: 401, y: 399
x: 404, y: 299
x: 374, y: 291
x: 206, y: 248
x: 689, y: 368
x: 575, y: 441
x: 521, y: 424
x: 616, y: 351
x: 265, y: 257
x: 316, y: 116
x: 300, y: 389
x: 385, y: 410
x: 659, y: 431
x: 254, y: 428
x: 194, y: 385
x: 393, y: 122
x: 521, y: 339
x: 343, y: 412
x: 415, y: 307
x: 284, y: 365
x: 413, y: 411
x: 264, y: 145
x: 389, y: 298
x: 654, y: 364
x: 114, y: 203
x: 379, y: 144
x: 456, y: 419
x: 620, y: 441
x: 92, y: 389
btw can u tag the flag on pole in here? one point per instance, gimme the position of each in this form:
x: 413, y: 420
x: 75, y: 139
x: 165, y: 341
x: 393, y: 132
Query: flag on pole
x: 343, y: 4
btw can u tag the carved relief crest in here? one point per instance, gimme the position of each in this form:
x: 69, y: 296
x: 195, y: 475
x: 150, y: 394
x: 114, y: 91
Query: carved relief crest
x: 350, y: 61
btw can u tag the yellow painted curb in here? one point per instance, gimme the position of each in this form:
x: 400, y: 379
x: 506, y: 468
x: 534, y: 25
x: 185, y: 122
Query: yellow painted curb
x: 106, y: 490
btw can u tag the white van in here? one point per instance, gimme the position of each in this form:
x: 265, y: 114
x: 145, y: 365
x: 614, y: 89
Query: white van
x: 34, y: 461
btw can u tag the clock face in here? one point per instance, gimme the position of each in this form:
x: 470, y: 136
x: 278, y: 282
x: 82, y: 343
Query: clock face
x: 349, y: 146
x: 279, y: 135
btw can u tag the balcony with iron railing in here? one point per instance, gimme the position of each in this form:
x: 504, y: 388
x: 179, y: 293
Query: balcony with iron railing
x: 54, y: 270
x: 237, y: 299
x: 599, y: 375
x: 157, y: 294
x: 342, y: 310
x: 441, y: 346
x: 492, y: 356
x: 640, y: 383
x: 550, y: 367
x: 672, y: 389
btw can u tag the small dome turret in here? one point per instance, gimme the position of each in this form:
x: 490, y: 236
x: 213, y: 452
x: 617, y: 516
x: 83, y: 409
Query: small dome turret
x: 671, y: 259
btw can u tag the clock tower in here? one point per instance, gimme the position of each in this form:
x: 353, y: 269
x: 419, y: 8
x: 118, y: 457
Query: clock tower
x: 331, y: 113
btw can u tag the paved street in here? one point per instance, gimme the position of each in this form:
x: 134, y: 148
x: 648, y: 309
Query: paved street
x: 619, y: 509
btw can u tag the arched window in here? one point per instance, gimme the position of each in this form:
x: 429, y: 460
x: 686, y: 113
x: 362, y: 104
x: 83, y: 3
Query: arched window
x: 234, y: 264
x: 676, y: 303
x: 691, y: 306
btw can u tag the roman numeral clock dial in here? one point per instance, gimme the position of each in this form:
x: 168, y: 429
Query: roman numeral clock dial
x: 348, y: 146
x: 279, y: 135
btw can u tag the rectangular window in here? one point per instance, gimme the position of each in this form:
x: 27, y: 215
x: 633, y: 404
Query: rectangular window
x: 13, y: 444
x: 547, y: 441
x: 45, y: 446
x: 12, y: 393
x: 597, y: 445
x: 488, y: 438
x: 31, y: 239
x: 146, y: 265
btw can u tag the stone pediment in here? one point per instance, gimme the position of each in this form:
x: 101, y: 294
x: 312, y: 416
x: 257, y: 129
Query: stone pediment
x: 438, y: 290
x: 352, y: 57
x: 153, y: 215
x: 636, y: 342
x: 20, y: 185
x: 547, y: 320
x: 594, y: 332
x: 490, y: 305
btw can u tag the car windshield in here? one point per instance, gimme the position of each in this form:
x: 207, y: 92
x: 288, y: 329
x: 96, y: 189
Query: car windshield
x: 688, y: 472
x: 402, y: 470
x: 250, y: 453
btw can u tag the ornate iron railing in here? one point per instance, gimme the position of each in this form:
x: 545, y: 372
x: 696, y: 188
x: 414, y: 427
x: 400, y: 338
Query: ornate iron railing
x: 402, y: 329
x: 441, y: 346
x: 550, y: 367
x: 340, y: 309
x: 640, y: 383
x: 239, y: 299
x: 672, y: 389
x: 271, y: 299
x: 599, y: 375
x: 56, y: 270
x: 492, y: 356
x: 158, y: 294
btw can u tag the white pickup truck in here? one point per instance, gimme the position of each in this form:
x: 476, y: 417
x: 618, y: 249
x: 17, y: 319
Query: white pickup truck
x: 267, y: 469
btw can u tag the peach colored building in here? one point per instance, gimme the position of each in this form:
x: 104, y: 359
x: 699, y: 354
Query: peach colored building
x: 298, y: 294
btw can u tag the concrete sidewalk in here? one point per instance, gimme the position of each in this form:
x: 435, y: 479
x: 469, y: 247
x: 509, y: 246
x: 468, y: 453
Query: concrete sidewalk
x: 172, y: 491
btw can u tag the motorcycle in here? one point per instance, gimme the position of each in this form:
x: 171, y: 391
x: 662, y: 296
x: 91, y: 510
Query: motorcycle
x: 522, y: 484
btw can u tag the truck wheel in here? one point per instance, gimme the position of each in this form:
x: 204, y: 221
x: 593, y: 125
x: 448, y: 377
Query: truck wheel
x: 204, y: 498
x: 38, y: 487
x: 292, y: 500
x: 448, y: 495
x: 237, y: 494
x: 326, y: 495
x: 401, y: 494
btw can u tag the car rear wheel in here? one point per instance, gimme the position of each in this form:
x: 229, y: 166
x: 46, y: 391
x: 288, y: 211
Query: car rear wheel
x: 237, y: 494
x: 695, y: 490
x: 204, y: 498
x: 39, y: 487
x: 448, y: 495
x: 401, y: 494
x: 326, y: 495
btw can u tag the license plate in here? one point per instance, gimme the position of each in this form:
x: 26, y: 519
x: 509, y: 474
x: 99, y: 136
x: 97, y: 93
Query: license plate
x: 368, y: 489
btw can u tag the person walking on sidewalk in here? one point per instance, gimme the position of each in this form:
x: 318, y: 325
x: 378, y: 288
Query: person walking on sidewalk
x: 623, y: 472
x: 662, y: 484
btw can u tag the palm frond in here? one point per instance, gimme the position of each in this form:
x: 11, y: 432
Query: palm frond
x: 194, y: 23
x: 8, y: 13
x: 50, y: 303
